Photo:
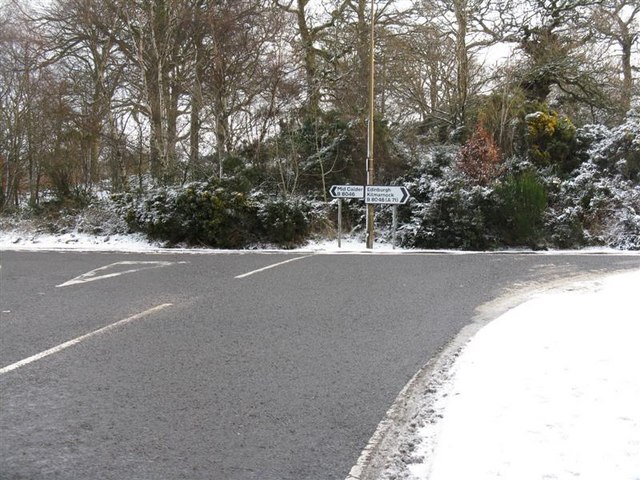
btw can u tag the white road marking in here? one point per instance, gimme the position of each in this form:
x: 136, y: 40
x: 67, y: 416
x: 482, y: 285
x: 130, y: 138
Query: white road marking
x: 77, y: 340
x: 244, y: 275
x: 92, y: 276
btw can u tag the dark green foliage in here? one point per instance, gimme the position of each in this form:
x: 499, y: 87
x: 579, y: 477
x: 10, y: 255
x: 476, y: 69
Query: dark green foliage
x: 212, y: 213
x: 521, y: 202
x: 284, y: 223
x: 445, y: 211
x: 219, y: 214
x: 453, y: 218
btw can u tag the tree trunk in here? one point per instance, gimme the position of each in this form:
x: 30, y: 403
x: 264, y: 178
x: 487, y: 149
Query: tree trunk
x: 310, y: 61
x: 627, y: 72
x: 462, y: 68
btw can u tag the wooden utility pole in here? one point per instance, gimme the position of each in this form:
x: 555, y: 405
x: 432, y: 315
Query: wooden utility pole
x: 370, y: 130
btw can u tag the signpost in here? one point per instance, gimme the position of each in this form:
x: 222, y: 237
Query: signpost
x: 371, y: 194
x: 347, y: 191
x: 389, y: 195
x: 344, y: 191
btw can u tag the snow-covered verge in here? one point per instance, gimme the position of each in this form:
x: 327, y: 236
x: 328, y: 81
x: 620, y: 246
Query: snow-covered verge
x: 549, y: 390
x: 97, y: 227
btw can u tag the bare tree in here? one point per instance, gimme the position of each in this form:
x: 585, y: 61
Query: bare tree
x: 86, y: 53
x: 467, y: 27
x: 234, y: 70
x: 22, y: 90
x: 312, y: 28
x: 421, y: 74
x: 556, y: 45
x: 618, y: 21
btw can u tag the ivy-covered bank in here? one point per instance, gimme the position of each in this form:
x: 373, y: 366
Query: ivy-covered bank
x: 565, y: 187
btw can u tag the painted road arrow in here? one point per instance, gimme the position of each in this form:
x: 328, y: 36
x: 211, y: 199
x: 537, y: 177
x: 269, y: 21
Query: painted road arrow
x: 386, y: 194
x: 347, y: 191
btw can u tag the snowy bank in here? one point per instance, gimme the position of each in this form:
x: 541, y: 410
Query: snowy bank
x: 548, y: 390
x: 29, y: 240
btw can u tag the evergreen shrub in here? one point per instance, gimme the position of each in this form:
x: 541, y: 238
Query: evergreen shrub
x: 445, y: 211
x: 551, y: 140
x: 219, y: 214
x: 522, y: 201
x: 201, y: 213
x: 283, y: 222
x: 594, y: 208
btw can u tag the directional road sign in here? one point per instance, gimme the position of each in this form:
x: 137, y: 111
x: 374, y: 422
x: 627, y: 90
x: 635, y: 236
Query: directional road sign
x: 392, y: 195
x: 347, y: 191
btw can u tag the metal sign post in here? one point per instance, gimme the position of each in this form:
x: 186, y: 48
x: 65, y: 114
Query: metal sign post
x: 372, y: 195
x: 345, y: 191
x: 370, y: 129
x: 339, y: 223
x: 395, y: 226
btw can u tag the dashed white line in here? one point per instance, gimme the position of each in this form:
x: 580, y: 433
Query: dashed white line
x: 77, y: 340
x: 244, y: 275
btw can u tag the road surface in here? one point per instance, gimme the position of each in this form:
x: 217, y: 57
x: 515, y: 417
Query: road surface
x: 226, y: 366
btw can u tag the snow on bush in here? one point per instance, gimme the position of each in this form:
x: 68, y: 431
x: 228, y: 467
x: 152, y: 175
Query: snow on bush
x: 445, y: 211
x: 599, y: 203
x: 219, y: 213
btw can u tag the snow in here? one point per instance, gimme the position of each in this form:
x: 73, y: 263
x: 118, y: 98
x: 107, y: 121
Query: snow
x: 20, y: 240
x: 549, y: 390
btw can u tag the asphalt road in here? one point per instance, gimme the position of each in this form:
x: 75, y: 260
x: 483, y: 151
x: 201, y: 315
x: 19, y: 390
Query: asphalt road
x: 281, y: 374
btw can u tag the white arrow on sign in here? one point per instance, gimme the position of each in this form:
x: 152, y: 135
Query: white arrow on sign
x: 392, y: 195
x: 347, y: 191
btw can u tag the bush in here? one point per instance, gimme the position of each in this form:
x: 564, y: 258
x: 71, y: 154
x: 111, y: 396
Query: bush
x: 594, y: 208
x: 444, y: 211
x: 454, y: 217
x: 551, y: 140
x: 479, y: 158
x: 284, y: 222
x: 202, y: 213
x: 615, y: 151
x: 218, y: 214
x: 522, y: 201
x: 210, y: 214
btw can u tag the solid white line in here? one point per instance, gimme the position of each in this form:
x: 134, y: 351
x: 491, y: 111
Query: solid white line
x: 77, y: 340
x: 272, y: 266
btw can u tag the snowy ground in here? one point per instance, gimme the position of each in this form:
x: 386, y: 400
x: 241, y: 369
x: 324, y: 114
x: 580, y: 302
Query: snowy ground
x: 21, y: 240
x: 16, y: 239
x: 549, y: 390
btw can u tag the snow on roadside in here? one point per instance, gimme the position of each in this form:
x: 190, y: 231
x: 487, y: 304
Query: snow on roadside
x: 22, y: 240
x: 550, y: 390
x: 27, y: 240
